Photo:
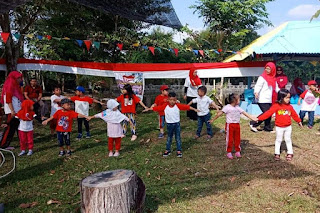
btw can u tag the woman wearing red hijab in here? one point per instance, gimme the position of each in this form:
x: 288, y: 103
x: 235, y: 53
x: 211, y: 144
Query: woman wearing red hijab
x: 282, y: 79
x: 11, y: 98
x: 265, y: 92
x: 297, y: 88
x: 192, y: 83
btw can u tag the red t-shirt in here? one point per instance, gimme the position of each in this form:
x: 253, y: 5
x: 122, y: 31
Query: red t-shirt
x: 284, y: 112
x: 84, y: 99
x: 160, y: 100
x: 33, y: 92
x: 64, y: 120
x: 128, y: 106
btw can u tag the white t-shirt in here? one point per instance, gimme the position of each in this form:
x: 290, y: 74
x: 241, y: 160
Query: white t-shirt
x: 16, y: 103
x: 232, y: 113
x: 172, y: 114
x: 264, y: 90
x: 25, y: 126
x: 310, y: 102
x: 203, y: 104
x: 192, y: 90
x: 55, y: 106
x: 82, y: 107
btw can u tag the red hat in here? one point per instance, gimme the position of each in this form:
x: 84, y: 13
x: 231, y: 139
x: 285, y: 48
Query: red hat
x: 312, y: 82
x: 164, y: 87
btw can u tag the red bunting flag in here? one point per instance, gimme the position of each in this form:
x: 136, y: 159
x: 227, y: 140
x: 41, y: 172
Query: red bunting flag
x: 219, y: 50
x: 201, y: 53
x: 49, y: 37
x: 120, y: 45
x: 176, y: 51
x: 5, y: 37
x: 88, y: 44
x: 151, y: 49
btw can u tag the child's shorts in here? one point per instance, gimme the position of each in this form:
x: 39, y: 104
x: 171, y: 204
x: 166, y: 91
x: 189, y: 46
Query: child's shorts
x: 63, y: 138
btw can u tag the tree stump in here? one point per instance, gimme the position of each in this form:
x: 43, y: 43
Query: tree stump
x: 114, y: 191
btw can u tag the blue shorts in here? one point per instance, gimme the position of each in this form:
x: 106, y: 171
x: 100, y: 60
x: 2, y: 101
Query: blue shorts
x: 63, y: 138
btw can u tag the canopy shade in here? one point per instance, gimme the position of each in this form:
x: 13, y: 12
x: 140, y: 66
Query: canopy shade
x: 295, y: 40
x: 139, y: 10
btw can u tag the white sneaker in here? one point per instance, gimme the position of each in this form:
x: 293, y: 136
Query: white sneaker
x: 253, y: 129
x: 133, y: 138
x: 30, y: 152
x: 23, y: 152
x: 110, y: 154
x: 116, y: 154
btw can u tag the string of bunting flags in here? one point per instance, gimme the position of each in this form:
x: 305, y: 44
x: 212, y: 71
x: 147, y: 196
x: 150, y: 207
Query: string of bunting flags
x: 96, y: 44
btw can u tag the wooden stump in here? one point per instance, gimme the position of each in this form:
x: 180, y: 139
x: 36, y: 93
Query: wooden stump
x: 112, y: 191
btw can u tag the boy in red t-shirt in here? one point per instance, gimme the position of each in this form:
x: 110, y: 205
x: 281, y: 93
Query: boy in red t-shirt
x: 160, y: 100
x: 82, y: 104
x: 64, y: 118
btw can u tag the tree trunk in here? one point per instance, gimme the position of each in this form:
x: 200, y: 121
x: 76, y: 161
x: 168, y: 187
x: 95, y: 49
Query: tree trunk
x: 120, y: 191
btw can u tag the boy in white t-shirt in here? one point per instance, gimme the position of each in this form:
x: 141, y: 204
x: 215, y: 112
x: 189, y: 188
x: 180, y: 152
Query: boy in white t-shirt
x: 203, y: 103
x: 309, y: 103
x: 55, y: 106
x: 172, y: 116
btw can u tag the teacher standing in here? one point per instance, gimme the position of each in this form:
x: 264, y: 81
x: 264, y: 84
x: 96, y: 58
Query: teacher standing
x: 265, y: 92
x: 191, y: 85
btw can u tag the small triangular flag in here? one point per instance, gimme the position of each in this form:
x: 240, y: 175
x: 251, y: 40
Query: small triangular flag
x: 96, y: 44
x: 120, y: 46
x: 144, y: 47
x: 201, y: 53
x: 207, y: 52
x: 88, y: 44
x: 159, y: 49
x: 5, y: 37
x: 80, y: 42
x: 66, y: 38
x: 171, y: 50
x: 196, y: 52
x: 314, y: 63
x: 176, y: 51
x: 29, y: 35
x: 55, y: 38
x: 49, y: 37
x: 39, y: 37
x: 216, y: 51
x: 219, y: 50
x: 137, y: 44
x: 152, y: 50
x: 104, y: 42
x: 17, y: 35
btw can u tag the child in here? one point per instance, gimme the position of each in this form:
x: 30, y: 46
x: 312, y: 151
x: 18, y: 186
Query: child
x: 203, y: 103
x: 25, y: 129
x: 64, y: 118
x: 82, y: 103
x: 309, y: 103
x: 128, y: 101
x: 172, y: 116
x: 284, y: 111
x: 55, y: 106
x: 233, y: 112
x: 160, y: 100
x: 113, y: 117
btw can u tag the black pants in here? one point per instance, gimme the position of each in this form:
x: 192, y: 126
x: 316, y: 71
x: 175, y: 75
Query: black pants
x: 192, y: 114
x: 267, y: 123
x: 86, y: 124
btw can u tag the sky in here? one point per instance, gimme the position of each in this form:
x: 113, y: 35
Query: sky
x: 279, y: 11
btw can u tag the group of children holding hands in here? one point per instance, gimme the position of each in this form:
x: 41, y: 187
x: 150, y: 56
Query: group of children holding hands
x: 168, y: 108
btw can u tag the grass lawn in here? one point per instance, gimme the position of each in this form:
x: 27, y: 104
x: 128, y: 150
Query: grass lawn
x: 204, y: 180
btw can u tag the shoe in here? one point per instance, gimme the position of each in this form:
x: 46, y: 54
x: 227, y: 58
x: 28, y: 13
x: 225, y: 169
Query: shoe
x: 116, y: 154
x: 289, y: 157
x: 276, y: 157
x: 30, y: 152
x: 88, y: 135
x: 161, y: 135
x: 61, y: 153
x: 310, y: 127
x: 166, y: 153
x: 253, y: 129
x: 238, y: 155
x: 133, y: 138
x: 196, y: 137
x: 23, y: 152
x: 209, y: 137
x: 179, y: 154
x: 229, y: 155
x: 69, y: 153
x: 110, y: 154
x: 79, y: 136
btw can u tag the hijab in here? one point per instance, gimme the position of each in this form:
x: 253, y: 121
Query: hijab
x: 12, y: 86
x: 298, y: 85
x: 195, y: 80
x: 26, y: 113
x: 112, y: 116
x: 271, y: 79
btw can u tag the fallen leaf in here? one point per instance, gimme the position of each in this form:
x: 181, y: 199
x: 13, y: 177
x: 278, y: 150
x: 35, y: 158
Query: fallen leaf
x: 158, y: 178
x: 173, y: 200
x: 96, y: 140
x: 147, y: 141
x: 52, y: 172
x: 27, y: 205
x: 148, y: 174
x: 305, y: 192
x: 61, y: 180
x: 53, y: 202
x: 232, y: 179
x: 197, y: 174
x: 289, y: 195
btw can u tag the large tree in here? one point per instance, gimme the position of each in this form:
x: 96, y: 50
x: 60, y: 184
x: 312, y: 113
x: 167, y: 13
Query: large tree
x: 228, y: 19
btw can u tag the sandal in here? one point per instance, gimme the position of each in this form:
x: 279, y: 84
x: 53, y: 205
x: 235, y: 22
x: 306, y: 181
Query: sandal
x: 289, y: 157
x: 276, y: 157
